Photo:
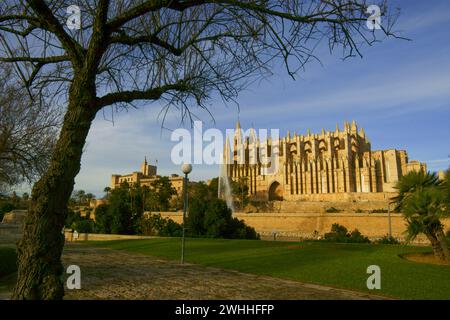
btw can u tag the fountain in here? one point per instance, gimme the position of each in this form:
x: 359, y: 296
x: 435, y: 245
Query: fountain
x: 224, y: 188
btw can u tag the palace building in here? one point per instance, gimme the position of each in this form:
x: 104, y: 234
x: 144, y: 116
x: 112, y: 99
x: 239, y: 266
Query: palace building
x: 145, y: 177
x: 327, y: 166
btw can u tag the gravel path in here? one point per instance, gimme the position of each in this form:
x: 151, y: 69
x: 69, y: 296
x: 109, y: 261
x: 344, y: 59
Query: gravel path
x: 115, y: 274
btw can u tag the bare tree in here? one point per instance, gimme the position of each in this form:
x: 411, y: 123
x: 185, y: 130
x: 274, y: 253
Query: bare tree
x: 181, y: 52
x: 28, y: 132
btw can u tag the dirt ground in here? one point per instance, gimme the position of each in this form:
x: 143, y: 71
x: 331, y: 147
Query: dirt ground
x: 425, y: 258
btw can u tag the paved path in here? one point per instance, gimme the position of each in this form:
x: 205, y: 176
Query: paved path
x: 115, y: 274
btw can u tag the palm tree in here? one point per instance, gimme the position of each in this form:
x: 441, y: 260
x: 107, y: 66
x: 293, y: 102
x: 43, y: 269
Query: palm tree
x: 422, y: 199
x: 89, y: 197
x: 107, y: 190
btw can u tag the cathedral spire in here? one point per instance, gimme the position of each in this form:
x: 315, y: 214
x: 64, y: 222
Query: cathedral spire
x: 362, y: 133
x: 346, y: 126
x: 354, y: 126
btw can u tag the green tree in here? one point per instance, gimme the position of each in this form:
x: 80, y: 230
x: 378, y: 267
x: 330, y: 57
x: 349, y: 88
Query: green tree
x: 134, y: 52
x: 25, y: 196
x: 103, y: 219
x: 89, y: 197
x: 214, y: 219
x: 119, y: 210
x: 213, y: 187
x: 423, y: 201
x: 107, y: 190
x: 240, y: 190
x: 156, y: 225
x: 80, y: 197
x: 162, y: 192
x: 196, y: 217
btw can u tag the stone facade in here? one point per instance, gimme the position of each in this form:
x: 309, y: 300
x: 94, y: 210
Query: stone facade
x: 145, y: 177
x: 329, y: 163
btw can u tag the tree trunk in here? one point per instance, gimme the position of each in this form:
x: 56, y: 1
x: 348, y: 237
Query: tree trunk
x: 436, y: 245
x: 39, y: 251
x: 443, y: 243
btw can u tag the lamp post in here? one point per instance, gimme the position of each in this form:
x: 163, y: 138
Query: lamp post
x: 389, y: 219
x: 186, y: 169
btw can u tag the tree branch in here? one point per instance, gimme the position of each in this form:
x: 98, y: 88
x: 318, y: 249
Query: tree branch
x: 151, y: 6
x: 50, y: 23
x: 42, y: 60
x: 150, y: 39
x: 150, y: 94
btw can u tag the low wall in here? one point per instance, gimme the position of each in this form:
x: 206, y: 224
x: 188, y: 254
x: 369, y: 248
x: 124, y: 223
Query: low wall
x: 69, y: 236
x: 10, y: 233
x: 304, y: 225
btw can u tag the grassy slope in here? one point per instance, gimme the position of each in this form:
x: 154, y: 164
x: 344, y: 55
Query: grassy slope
x: 338, y: 265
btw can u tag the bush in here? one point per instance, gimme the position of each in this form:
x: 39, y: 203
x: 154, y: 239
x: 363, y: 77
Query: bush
x: 75, y: 221
x: 340, y: 234
x: 156, y: 225
x: 387, y: 240
x: 214, y: 219
x: 379, y: 211
x: 332, y: 210
x: 84, y: 226
x: 357, y: 237
x: 359, y: 210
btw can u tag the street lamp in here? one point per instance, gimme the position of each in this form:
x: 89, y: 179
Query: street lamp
x: 186, y: 168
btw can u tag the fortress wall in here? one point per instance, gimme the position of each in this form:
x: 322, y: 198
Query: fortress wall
x: 303, y: 225
x: 343, y: 196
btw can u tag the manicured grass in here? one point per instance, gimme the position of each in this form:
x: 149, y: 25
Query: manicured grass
x: 332, y: 264
x: 8, y: 258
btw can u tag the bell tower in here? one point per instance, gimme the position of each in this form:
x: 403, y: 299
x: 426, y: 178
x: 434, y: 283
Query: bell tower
x: 144, y: 167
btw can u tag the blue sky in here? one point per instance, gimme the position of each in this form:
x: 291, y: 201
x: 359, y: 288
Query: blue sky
x: 399, y: 92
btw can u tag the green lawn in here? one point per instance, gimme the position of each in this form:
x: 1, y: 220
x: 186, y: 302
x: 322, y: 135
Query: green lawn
x: 332, y: 264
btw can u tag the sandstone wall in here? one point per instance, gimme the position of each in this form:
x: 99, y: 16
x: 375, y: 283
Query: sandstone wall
x: 68, y: 234
x: 303, y: 225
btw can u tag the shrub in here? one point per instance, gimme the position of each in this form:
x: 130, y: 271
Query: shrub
x: 332, y: 210
x: 84, y: 226
x: 387, y: 240
x: 214, y: 219
x: 379, y: 211
x: 359, y: 210
x: 75, y: 221
x: 340, y: 234
x: 156, y: 225
x: 357, y: 237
